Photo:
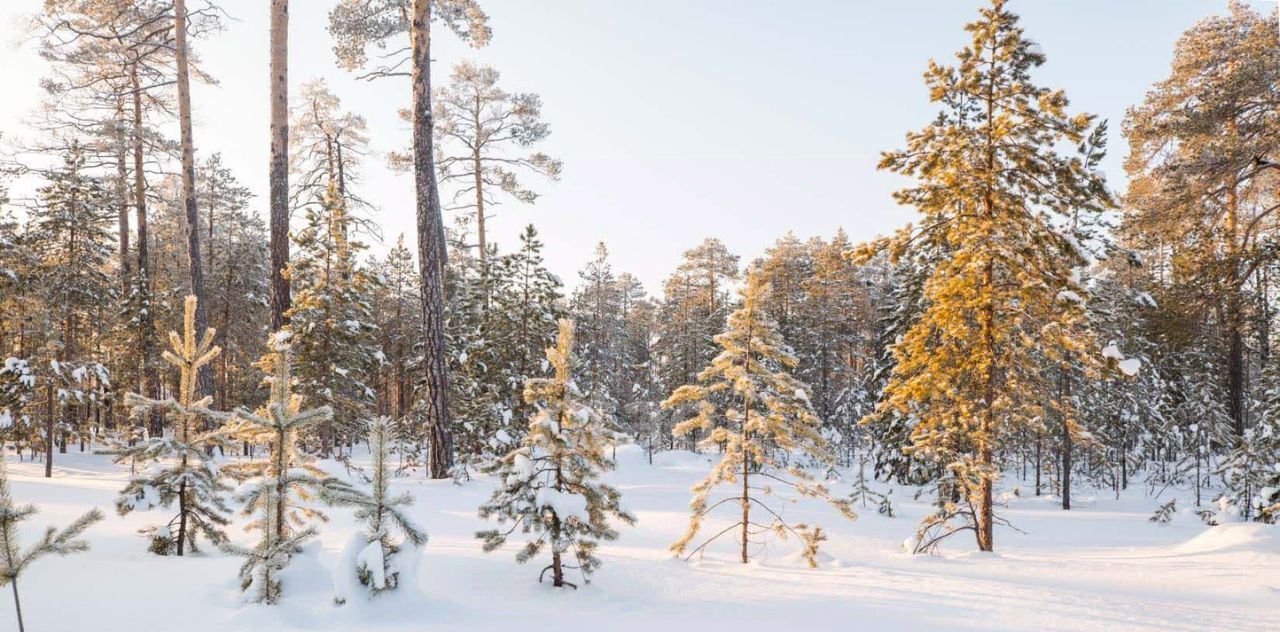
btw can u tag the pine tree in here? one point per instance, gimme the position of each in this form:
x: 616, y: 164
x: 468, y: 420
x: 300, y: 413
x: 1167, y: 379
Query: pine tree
x: 283, y: 482
x: 550, y: 486
x: 179, y: 467
x: 13, y: 558
x: 765, y: 417
x: 483, y: 133
x: 998, y: 198
x: 355, y: 26
x: 1201, y: 152
x: 377, y: 556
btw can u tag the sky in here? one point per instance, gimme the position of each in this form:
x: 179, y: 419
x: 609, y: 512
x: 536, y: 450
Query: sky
x: 676, y: 119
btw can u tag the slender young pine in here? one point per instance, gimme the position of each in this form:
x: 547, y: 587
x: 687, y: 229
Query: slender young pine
x: 752, y: 409
x: 283, y: 482
x: 381, y: 513
x: 549, y: 486
x: 179, y: 466
x: 13, y: 558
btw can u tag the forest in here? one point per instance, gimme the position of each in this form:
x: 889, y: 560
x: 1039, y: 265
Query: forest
x: 343, y: 429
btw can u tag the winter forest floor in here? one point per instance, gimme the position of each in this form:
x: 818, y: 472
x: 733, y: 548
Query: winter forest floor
x: 1102, y: 565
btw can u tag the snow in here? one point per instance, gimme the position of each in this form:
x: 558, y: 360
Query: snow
x: 1112, y: 352
x: 564, y: 504
x: 1100, y: 566
x: 1070, y: 297
x: 1130, y: 366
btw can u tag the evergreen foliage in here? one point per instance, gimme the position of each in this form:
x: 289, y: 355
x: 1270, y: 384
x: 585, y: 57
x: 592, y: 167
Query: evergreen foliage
x: 765, y: 417
x: 549, y: 486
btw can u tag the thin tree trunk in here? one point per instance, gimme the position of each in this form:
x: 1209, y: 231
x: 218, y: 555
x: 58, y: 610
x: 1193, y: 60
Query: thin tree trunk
x: 279, y: 168
x: 122, y: 197
x: 17, y: 604
x: 150, y: 382
x: 48, y: 429
x: 1066, y: 440
x: 194, y: 271
x: 431, y: 251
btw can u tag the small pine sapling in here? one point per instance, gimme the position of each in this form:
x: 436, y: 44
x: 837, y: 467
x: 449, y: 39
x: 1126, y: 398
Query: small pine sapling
x: 750, y: 407
x: 549, y: 486
x: 178, y: 467
x: 376, y: 553
x: 282, y: 484
x: 14, y: 559
x: 1165, y: 512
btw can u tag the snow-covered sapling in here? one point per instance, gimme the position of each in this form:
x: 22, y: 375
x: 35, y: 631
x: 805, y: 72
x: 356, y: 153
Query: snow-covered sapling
x: 177, y: 466
x: 282, y: 484
x: 375, y: 554
x: 1165, y: 512
x: 549, y: 486
x: 756, y: 413
x: 14, y: 559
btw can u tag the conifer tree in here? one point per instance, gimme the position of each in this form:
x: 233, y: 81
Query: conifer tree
x: 1204, y: 152
x: 179, y: 466
x: 283, y: 483
x: 549, y: 486
x: 1249, y: 471
x: 484, y: 133
x: 357, y: 25
x: 1000, y: 201
x: 765, y: 417
x: 380, y: 553
x: 331, y: 319
x: 14, y: 559
x: 597, y: 313
x: 529, y: 301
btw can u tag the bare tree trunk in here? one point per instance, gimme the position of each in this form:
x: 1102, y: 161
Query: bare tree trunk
x: 122, y: 196
x: 431, y: 251
x: 1066, y: 439
x: 150, y: 383
x: 280, y: 299
x: 17, y: 604
x: 189, y: 181
x: 48, y: 430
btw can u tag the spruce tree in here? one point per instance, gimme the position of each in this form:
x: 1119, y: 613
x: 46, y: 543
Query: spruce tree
x: 14, y: 559
x: 179, y: 467
x: 549, y: 486
x: 764, y: 418
x: 998, y: 198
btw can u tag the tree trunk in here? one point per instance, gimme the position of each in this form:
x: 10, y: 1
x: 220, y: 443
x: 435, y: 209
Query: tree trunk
x: 280, y: 299
x: 1066, y: 440
x: 182, y: 514
x: 122, y: 197
x: 17, y: 604
x: 189, y: 181
x: 431, y: 251
x: 150, y: 382
x: 48, y: 430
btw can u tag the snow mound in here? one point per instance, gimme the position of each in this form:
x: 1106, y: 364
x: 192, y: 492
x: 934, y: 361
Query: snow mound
x: 1245, y: 536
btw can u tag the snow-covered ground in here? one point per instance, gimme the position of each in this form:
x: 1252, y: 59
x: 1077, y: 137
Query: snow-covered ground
x: 1100, y: 566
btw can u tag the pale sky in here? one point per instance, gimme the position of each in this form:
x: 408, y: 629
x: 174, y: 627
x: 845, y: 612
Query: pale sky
x: 678, y: 119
